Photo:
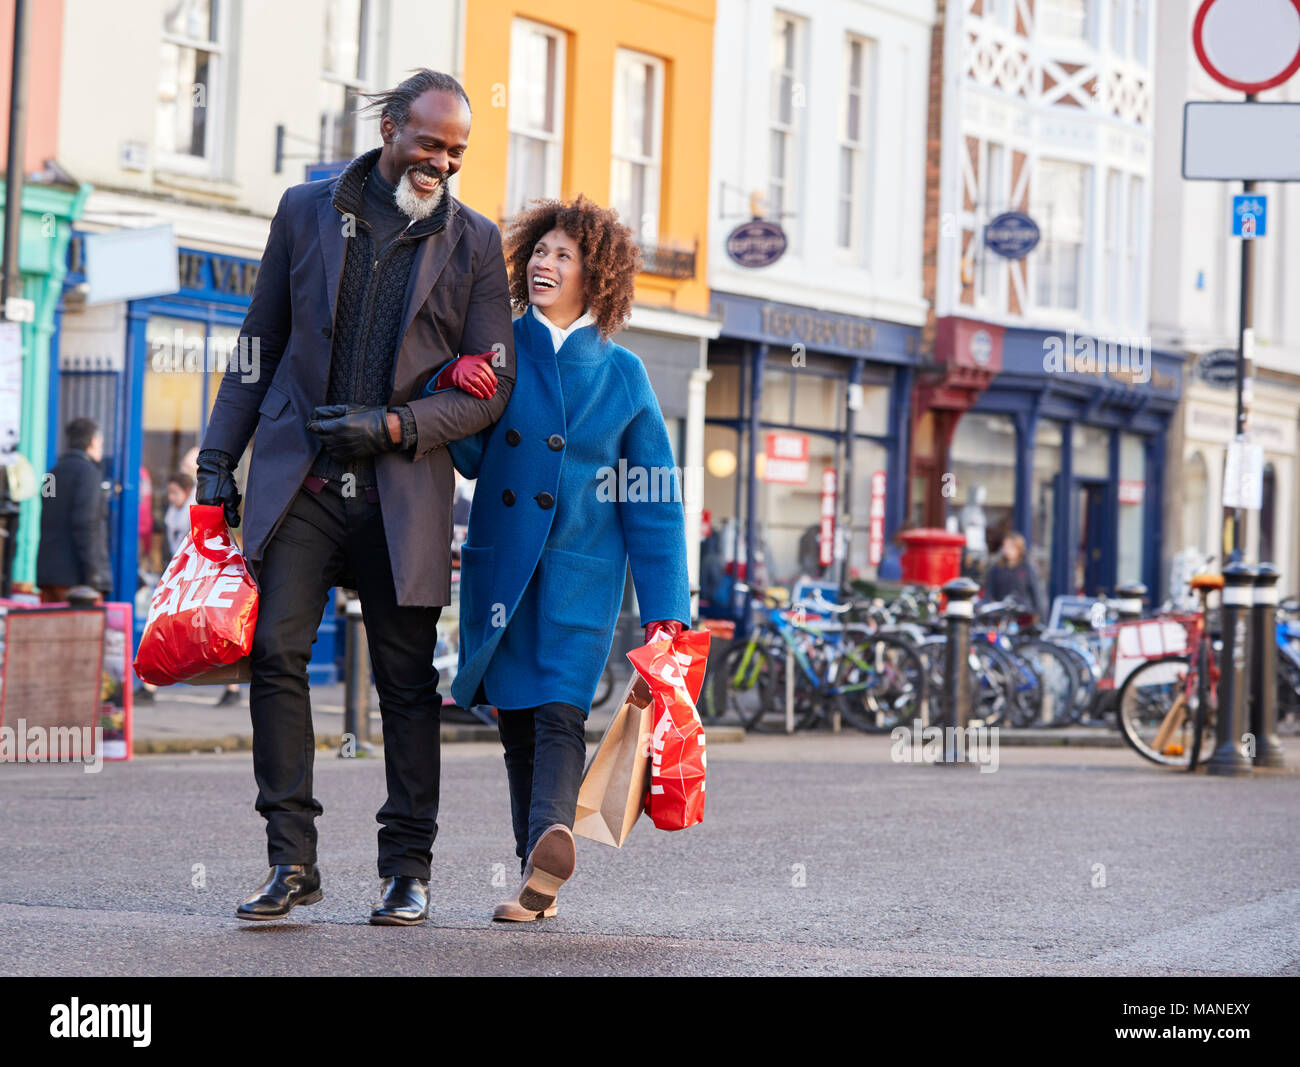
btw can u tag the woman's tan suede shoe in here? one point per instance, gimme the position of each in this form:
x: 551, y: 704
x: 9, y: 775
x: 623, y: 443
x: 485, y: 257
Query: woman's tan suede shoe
x: 549, y: 866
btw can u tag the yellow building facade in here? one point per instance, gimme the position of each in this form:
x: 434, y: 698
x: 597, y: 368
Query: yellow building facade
x: 550, y: 75
x: 610, y: 98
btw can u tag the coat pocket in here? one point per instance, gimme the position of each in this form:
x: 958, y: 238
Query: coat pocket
x: 273, y: 402
x: 475, y: 582
x: 582, y: 592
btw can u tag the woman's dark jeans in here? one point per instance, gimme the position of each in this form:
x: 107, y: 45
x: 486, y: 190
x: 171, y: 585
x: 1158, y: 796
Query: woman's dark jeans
x: 546, y: 749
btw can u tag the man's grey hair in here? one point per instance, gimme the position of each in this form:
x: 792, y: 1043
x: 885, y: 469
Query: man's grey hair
x: 396, y: 102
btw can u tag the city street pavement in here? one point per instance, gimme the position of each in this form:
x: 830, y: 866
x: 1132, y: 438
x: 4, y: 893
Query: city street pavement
x: 817, y: 856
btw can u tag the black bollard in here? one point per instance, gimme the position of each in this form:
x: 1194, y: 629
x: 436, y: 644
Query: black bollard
x: 1234, y: 675
x: 959, y: 614
x: 1263, y: 662
x: 356, y: 701
x: 1129, y: 601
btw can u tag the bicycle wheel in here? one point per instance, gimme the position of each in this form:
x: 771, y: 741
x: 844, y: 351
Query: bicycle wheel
x: 1058, y: 677
x: 1158, y: 712
x: 1010, y: 690
x: 1085, y: 689
x: 881, y: 684
x: 751, y: 687
x: 991, y: 686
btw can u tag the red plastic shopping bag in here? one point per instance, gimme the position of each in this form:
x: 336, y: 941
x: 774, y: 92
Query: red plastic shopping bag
x: 675, y: 672
x: 204, y: 610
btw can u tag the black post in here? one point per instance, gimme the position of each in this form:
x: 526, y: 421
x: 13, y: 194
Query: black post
x: 959, y: 614
x: 356, y: 700
x: 1245, y: 316
x: 1263, y: 661
x: 1129, y: 603
x: 1238, y: 595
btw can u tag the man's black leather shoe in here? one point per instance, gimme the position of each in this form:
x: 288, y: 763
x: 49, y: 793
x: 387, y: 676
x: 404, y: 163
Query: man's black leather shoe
x: 287, y: 885
x: 403, y: 901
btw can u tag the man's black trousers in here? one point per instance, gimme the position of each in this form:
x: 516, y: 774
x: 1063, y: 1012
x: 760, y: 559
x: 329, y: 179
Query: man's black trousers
x: 325, y: 537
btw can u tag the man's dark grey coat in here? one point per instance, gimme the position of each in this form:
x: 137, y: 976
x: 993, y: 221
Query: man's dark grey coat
x: 457, y: 301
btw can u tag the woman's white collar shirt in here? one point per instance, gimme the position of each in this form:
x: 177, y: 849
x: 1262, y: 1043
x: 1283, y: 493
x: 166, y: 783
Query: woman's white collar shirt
x: 559, y: 336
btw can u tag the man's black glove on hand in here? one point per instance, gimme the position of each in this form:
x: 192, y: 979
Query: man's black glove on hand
x: 216, y: 483
x: 351, y: 431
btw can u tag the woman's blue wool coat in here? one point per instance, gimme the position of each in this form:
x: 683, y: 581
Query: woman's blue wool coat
x: 574, y: 482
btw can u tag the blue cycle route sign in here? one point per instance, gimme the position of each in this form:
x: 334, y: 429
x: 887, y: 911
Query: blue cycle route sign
x: 1249, y: 215
x: 1012, y: 235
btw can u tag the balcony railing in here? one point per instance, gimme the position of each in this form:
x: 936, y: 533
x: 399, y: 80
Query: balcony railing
x: 668, y: 260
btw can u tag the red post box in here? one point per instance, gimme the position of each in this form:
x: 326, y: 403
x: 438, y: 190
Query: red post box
x: 931, y: 556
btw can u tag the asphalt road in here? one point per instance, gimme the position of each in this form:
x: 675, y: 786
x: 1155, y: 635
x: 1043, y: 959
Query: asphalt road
x: 818, y: 855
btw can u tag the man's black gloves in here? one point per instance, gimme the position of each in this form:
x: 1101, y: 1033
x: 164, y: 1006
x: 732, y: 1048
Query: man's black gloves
x: 216, y: 483
x: 351, y: 431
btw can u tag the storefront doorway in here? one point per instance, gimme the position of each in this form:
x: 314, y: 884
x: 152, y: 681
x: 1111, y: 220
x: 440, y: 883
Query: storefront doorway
x: 1088, y: 565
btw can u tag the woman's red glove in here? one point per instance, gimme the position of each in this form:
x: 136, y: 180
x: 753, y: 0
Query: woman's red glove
x: 471, y: 374
x: 666, y: 627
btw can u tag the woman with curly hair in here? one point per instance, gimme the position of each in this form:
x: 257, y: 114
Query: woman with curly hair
x: 565, y: 499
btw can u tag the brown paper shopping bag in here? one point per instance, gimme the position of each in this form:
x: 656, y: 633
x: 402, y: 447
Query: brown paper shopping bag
x: 614, y: 785
x: 238, y: 672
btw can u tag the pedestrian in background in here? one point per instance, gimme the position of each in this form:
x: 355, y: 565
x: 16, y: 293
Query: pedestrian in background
x: 176, y: 520
x: 1014, y: 576
x: 74, y: 518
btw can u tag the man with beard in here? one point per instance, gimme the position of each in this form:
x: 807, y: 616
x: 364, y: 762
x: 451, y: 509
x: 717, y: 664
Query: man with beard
x: 370, y: 284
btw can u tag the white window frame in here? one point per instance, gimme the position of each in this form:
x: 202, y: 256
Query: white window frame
x: 990, y: 269
x: 1043, y: 29
x: 646, y: 227
x: 552, y: 139
x: 362, y: 82
x: 793, y: 132
x: 1140, y: 32
x: 209, y: 164
x: 1135, y: 251
x: 1119, y: 14
x: 857, y: 144
x: 1053, y: 236
x: 1114, y: 253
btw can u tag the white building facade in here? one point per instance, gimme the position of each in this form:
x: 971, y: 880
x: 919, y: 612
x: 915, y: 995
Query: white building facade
x: 1041, y: 400
x: 818, y: 120
x: 1195, y: 300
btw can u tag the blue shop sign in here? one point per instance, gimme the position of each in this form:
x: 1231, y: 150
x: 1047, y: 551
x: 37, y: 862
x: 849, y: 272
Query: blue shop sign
x: 1012, y: 235
x: 757, y: 243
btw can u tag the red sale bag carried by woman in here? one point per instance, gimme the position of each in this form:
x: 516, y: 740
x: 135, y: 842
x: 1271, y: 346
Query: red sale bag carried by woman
x: 204, y: 610
x: 674, y: 670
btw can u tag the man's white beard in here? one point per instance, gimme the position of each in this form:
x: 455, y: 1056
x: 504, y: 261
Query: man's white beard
x: 412, y: 204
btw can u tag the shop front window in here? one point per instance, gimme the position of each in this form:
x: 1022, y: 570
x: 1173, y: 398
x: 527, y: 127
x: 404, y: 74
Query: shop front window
x: 1047, y: 467
x: 869, y: 458
x: 983, y: 462
x: 183, y: 367
x: 1132, y: 503
x: 1195, y: 500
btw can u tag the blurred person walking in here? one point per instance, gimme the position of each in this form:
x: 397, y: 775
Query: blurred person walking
x: 74, y: 518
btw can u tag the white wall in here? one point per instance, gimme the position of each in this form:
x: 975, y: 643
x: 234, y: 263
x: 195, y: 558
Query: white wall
x: 272, y: 75
x: 812, y: 272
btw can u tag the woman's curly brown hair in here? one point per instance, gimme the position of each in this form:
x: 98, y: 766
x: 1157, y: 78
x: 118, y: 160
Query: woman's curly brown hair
x: 611, y: 259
